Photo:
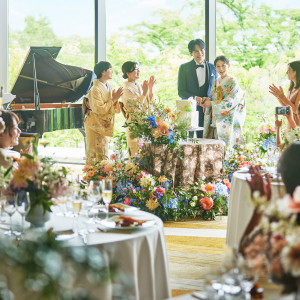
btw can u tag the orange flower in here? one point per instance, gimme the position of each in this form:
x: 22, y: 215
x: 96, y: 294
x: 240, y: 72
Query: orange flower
x: 119, y: 166
x: 162, y: 179
x: 91, y: 173
x: 112, y: 157
x: 86, y: 168
x: 240, y: 158
x: 168, y: 110
x: 173, y: 117
x: 164, y: 128
x: 156, y: 133
x: 85, y: 178
x: 207, y: 203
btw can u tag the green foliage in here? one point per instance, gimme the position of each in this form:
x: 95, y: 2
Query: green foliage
x: 46, y: 269
x: 258, y: 40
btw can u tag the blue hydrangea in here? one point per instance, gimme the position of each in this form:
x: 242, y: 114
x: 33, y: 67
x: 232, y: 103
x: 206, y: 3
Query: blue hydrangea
x: 269, y: 143
x: 152, y: 121
x: 221, y: 189
x: 121, y: 184
x: 171, y: 136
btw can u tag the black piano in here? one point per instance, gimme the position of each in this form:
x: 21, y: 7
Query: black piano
x: 47, y: 91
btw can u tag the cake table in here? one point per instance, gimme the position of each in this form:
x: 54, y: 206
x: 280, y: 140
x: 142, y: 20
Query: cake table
x: 188, y: 164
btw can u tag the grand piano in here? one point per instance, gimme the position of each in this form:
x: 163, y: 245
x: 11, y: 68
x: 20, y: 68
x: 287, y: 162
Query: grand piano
x: 47, y: 92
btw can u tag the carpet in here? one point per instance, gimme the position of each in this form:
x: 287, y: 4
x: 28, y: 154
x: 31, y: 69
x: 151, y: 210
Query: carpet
x: 194, y: 248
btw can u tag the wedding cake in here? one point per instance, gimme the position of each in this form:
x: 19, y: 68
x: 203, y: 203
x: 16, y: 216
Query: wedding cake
x: 187, y: 112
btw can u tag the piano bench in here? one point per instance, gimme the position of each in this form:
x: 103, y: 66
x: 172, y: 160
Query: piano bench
x: 24, y: 140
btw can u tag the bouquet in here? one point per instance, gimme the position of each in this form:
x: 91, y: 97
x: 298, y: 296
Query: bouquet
x: 40, y: 178
x: 158, y: 125
x: 266, y: 137
x: 273, y: 247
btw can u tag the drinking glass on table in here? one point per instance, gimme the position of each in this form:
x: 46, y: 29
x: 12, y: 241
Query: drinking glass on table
x: 22, y: 201
x: 76, y: 207
x: 93, y: 197
x: 9, y: 208
x: 107, y: 194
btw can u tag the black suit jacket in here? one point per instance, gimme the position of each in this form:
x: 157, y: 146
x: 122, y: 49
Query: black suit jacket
x: 188, y: 85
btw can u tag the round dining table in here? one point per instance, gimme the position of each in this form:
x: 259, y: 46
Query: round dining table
x: 240, y: 207
x: 139, y: 253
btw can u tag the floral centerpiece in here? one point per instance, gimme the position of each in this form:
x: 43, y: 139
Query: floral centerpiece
x: 158, y: 125
x: 266, y: 137
x: 239, y: 157
x: 293, y: 135
x: 40, y: 178
x: 273, y: 247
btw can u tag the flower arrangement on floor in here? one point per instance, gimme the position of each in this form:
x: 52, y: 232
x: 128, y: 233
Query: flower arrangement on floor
x: 136, y: 187
x: 40, y: 178
x: 273, y: 247
x: 266, y: 137
x: 158, y: 125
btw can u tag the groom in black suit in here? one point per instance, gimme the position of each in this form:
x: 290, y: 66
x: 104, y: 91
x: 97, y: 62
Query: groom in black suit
x: 195, y: 78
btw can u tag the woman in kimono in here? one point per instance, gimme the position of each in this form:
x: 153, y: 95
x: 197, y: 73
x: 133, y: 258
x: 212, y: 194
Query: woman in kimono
x: 225, y: 112
x: 100, y: 106
x: 135, y: 95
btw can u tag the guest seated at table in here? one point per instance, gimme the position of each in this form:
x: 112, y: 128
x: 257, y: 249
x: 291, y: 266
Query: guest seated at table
x: 225, y: 112
x: 291, y: 125
x: 293, y: 96
x: 289, y: 168
x: 9, y: 138
x: 135, y: 94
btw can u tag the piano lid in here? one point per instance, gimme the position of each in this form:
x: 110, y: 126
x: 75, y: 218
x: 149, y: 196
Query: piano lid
x: 56, y: 82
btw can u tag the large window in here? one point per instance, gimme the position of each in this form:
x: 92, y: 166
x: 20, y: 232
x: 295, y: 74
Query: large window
x: 259, y: 38
x: 67, y: 23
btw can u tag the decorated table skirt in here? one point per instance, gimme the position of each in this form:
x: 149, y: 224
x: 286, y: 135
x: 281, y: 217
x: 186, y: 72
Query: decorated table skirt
x: 188, y: 164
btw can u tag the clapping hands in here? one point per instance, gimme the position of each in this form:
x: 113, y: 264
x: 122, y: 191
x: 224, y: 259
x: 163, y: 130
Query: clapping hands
x: 276, y: 91
x: 117, y: 94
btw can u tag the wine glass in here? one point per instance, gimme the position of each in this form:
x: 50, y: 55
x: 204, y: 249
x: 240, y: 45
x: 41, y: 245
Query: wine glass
x: 22, y: 201
x: 9, y: 208
x: 94, y: 192
x: 107, y: 194
x: 2, y: 219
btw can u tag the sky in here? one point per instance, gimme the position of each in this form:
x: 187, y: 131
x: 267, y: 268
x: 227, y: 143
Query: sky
x: 69, y: 17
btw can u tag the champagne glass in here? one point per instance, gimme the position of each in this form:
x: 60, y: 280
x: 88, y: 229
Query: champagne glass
x: 9, y: 208
x: 107, y: 194
x: 22, y: 200
x: 76, y: 206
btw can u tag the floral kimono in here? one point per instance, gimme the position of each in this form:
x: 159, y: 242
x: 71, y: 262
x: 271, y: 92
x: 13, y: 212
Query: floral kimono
x: 99, y: 119
x: 225, y: 118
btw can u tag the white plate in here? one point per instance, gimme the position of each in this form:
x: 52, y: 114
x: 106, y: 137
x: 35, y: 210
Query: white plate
x: 112, y: 223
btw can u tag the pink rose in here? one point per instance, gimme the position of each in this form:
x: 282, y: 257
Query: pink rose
x: 207, y: 203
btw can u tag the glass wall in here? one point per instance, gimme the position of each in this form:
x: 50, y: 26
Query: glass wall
x: 259, y: 38
x: 68, y: 23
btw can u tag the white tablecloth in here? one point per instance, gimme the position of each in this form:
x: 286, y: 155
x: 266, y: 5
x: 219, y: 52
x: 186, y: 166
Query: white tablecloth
x: 140, y: 254
x: 241, y: 208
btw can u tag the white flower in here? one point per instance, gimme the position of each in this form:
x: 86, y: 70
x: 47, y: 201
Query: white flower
x: 192, y: 203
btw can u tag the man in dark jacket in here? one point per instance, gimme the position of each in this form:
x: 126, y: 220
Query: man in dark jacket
x: 195, y: 78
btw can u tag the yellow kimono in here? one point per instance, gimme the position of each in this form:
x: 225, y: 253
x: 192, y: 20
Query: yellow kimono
x: 132, y: 97
x: 99, y: 119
